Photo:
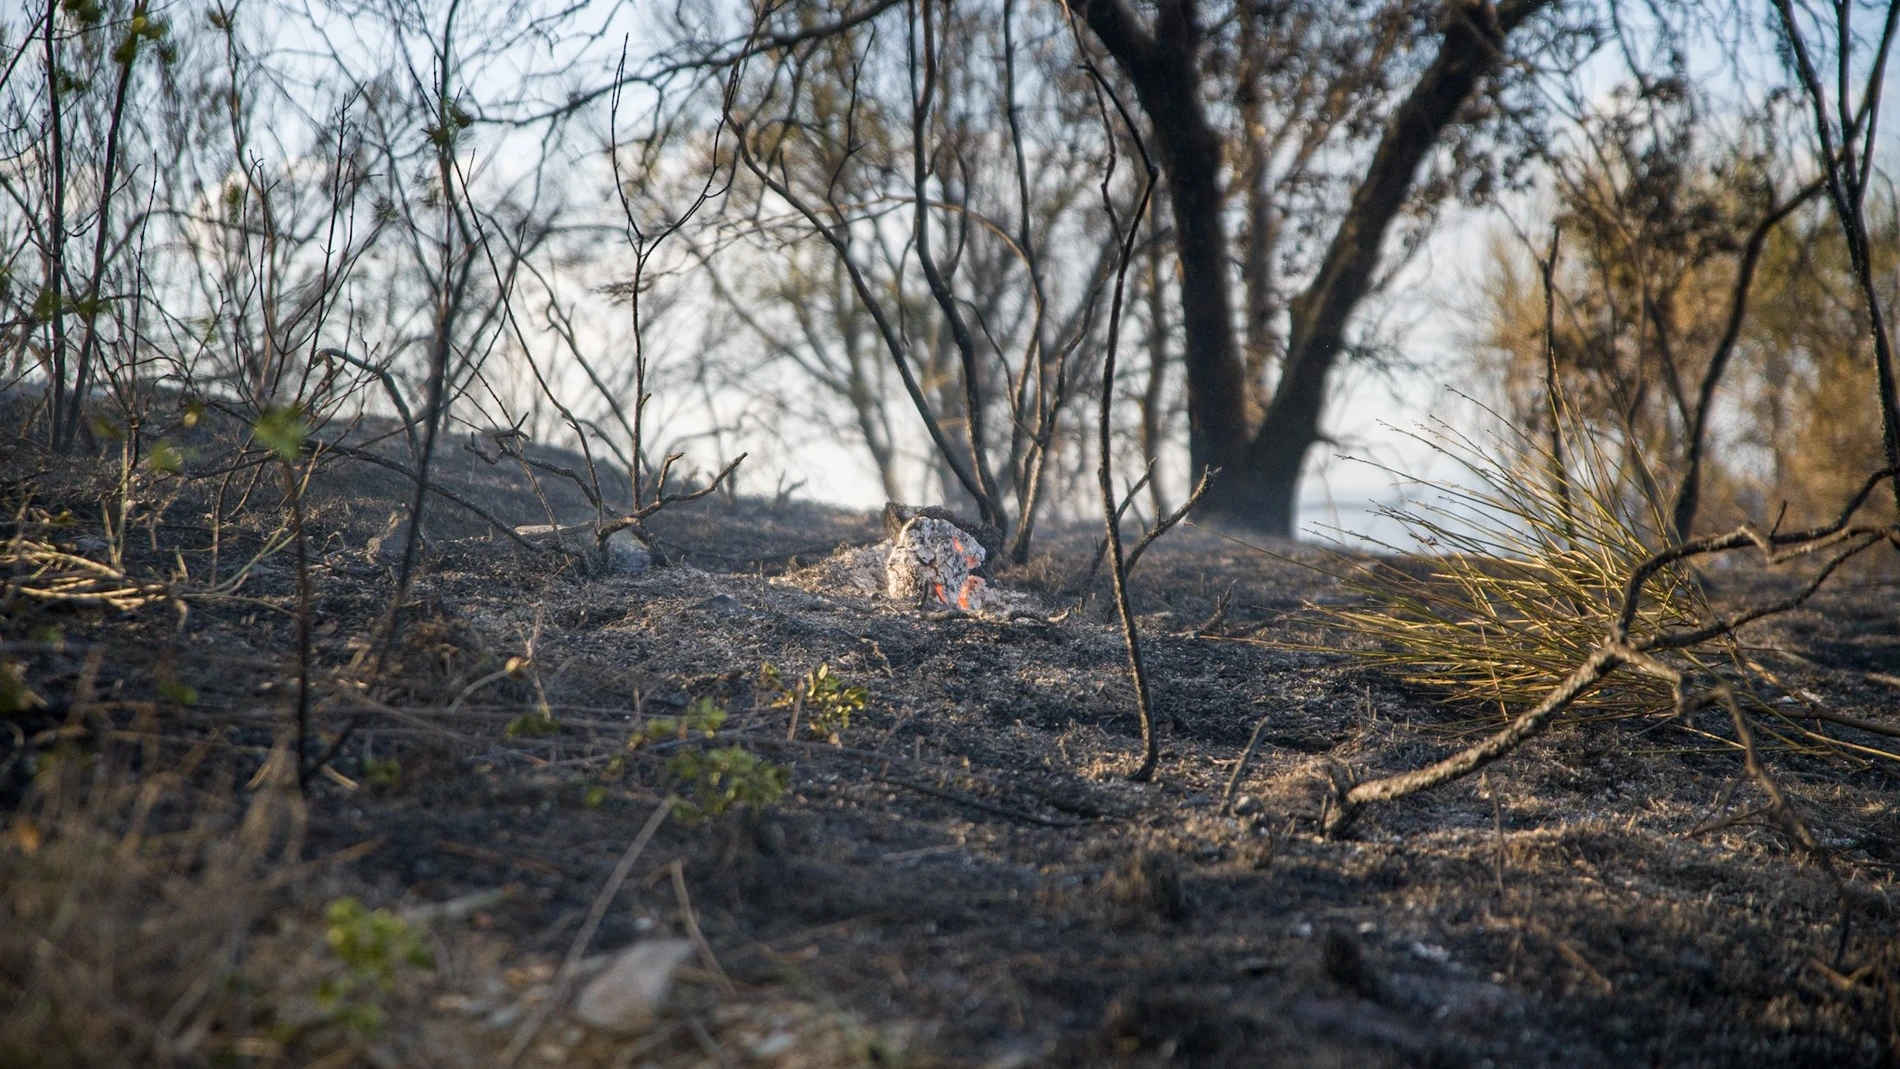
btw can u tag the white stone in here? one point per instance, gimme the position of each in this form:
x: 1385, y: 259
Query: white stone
x: 633, y: 988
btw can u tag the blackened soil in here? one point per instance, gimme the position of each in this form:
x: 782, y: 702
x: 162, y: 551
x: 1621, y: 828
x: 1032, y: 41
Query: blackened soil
x: 969, y: 870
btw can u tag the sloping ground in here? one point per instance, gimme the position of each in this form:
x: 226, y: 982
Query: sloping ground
x: 967, y: 878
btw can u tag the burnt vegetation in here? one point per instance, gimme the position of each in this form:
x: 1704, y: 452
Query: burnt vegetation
x: 425, y: 639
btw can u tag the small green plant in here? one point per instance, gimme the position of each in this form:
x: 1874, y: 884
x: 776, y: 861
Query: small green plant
x: 282, y: 430
x: 178, y: 693
x: 382, y: 773
x: 712, y: 782
x: 15, y: 695
x: 165, y: 458
x: 717, y: 781
x: 704, y: 718
x: 826, y: 700
x: 372, y: 946
x: 531, y: 726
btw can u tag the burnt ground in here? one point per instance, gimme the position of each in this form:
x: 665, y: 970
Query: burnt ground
x: 969, y: 878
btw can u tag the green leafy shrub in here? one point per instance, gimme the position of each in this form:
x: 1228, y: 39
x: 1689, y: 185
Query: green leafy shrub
x: 371, y: 945
x: 826, y: 700
x: 711, y: 781
x: 715, y: 782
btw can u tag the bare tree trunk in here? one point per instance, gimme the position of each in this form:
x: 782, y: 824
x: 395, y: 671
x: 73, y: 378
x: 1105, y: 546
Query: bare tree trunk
x: 1258, y: 487
x: 1263, y: 223
x: 1164, y: 68
x: 1154, y: 397
x: 1263, y: 492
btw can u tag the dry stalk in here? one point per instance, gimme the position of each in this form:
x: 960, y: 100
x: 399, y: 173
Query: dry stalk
x: 1240, y: 766
x: 690, y: 921
x: 47, y: 573
x: 577, y: 950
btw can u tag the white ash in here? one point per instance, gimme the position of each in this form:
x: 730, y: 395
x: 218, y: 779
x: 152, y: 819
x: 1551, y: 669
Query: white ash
x: 856, y: 570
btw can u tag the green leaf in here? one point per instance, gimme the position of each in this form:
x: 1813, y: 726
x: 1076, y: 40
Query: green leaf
x: 531, y: 725
x: 15, y: 695
x: 165, y: 459
x: 382, y: 773
x: 282, y: 430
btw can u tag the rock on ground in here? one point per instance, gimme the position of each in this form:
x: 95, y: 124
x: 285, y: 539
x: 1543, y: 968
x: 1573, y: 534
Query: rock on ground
x: 626, y: 996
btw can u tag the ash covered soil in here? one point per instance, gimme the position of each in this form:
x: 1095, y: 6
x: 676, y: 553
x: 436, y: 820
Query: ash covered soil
x: 967, y: 877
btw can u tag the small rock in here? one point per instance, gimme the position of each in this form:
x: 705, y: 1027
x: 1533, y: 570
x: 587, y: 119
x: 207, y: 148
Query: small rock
x: 1693, y: 961
x: 773, y: 1045
x: 720, y: 605
x: 625, y: 555
x: 626, y: 996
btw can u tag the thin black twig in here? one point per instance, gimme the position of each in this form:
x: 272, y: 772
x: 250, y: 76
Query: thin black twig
x: 1168, y: 522
x: 1240, y: 766
x: 1131, y: 635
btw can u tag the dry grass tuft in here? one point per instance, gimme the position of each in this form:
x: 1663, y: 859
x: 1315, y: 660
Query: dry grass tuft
x: 126, y: 903
x: 1525, y: 575
x: 1146, y: 886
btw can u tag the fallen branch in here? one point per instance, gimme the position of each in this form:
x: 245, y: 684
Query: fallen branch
x: 389, y: 388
